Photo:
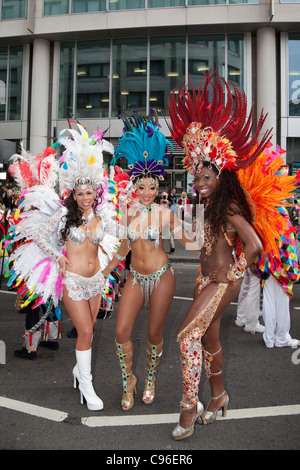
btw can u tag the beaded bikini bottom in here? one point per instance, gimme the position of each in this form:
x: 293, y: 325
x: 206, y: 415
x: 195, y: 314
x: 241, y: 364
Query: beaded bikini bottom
x: 149, y: 281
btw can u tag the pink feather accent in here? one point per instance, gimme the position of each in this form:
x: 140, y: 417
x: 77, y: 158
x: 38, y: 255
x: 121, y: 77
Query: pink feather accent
x: 45, y: 273
x: 59, y: 286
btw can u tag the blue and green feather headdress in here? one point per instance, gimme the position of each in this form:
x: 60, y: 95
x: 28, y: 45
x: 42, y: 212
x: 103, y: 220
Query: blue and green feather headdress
x: 144, y: 146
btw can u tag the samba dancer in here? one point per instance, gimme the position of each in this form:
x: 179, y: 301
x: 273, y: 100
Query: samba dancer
x: 219, y: 151
x: 66, y: 238
x: 151, y: 277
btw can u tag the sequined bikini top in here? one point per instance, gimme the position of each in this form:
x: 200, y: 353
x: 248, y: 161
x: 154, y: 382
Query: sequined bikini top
x: 148, y: 233
x: 78, y: 236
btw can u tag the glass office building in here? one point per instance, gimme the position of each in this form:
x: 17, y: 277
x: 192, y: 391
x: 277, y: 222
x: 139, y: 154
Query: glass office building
x: 98, y: 59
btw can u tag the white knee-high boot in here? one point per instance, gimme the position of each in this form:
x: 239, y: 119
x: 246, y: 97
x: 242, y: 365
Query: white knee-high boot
x: 86, y: 389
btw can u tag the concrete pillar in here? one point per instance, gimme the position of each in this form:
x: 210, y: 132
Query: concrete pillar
x: 40, y: 95
x: 266, y: 78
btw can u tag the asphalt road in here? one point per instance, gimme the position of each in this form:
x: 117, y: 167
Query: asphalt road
x: 40, y: 410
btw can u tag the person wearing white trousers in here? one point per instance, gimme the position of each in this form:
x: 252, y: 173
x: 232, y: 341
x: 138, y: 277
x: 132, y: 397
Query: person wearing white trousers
x: 248, y: 308
x: 276, y: 315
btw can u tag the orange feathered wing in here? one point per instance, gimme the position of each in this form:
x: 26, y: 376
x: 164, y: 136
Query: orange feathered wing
x: 267, y: 189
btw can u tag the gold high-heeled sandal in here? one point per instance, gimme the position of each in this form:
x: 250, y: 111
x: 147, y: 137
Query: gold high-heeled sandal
x: 127, y: 401
x: 211, y: 416
x: 153, y: 361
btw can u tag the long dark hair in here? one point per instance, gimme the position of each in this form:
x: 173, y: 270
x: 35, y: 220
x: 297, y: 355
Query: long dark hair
x: 228, y: 200
x: 74, y: 214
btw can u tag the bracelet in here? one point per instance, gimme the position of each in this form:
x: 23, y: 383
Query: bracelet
x: 119, y: 257
x: 238, y: 269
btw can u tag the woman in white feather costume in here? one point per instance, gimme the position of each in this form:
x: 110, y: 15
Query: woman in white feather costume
x: 71, y: 242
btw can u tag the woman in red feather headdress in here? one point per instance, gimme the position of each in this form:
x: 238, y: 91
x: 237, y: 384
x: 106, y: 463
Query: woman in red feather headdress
x: 219, y: 144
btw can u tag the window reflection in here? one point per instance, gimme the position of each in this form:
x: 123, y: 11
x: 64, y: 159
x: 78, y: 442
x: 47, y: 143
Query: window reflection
x: 126, y: 4
x: 85, y: 6
x: 129, y: 81
x: 205, y: 53
x: 13, y: 9
x: 85, y: 91
x: 56, y: 7
x: 11, y: 66
x: 92, y: 79
x: 294, y: 74
x: 165, y: 3
x: 66, y: 79
x: 3, y: 80
x: 15, y: 83
x: 167, y: 70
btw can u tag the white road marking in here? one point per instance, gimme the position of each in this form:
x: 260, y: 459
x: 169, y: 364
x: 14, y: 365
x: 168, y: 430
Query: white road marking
x: 7, y: 292
x: 140, y: 420
x: 106, y: 421
x: 33, y: 410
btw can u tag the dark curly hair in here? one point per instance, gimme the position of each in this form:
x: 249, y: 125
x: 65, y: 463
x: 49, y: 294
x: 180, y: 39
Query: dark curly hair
x: 74, y: 214
x: 228, y: 200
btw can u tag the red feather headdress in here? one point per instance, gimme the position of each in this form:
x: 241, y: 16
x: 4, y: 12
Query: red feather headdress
x: 31, y: 170
x: 210, y: 130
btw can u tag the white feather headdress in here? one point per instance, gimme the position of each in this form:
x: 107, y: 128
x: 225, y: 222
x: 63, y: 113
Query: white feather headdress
x: 82, y: 159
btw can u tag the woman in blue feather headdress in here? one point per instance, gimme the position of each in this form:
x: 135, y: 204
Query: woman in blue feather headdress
x: 151, y: 278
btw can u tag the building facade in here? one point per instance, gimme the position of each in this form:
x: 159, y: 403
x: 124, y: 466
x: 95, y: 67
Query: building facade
x: 97, y: 59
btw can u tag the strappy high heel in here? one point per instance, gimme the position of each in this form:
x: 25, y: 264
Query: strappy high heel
x: 182, y: 433
x: 153, y: 361
x: 211, y: 416
x: 127, y: 401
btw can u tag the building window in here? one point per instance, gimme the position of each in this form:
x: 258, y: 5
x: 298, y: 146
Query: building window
x: 129, y: 76
x: 12, y: 9
x: 142, y: 71
x: 206, y: 2
x: 89, y: 98
x: 205, y: 53
x: 235, y: 59
x: 294, y: 74
x: 56, y: 7
x: 126, y: 4
x: 293, y: 154
x: 167, y: 70
x: 219, y: 2
x: 66, y: 79
x: 92, y: 79
x: 85, y: 6
x: 165, y: 3
x: 11, y: 60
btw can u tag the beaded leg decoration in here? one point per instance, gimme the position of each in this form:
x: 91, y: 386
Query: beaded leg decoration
x: 208, y: 358
x: 125, y: 351
x: 191, y: 348
x: 153, y: 361
x: 211, y: 416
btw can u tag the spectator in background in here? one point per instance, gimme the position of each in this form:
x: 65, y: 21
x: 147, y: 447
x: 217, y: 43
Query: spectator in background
x: 184, y: 205
x: 172, y: 202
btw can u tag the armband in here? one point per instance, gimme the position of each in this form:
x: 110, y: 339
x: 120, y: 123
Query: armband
x: 238, y: 269
x: 119, y: 257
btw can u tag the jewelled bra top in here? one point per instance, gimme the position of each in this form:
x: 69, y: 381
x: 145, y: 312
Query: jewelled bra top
x: 151, y: 234
x: 78, y: 236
